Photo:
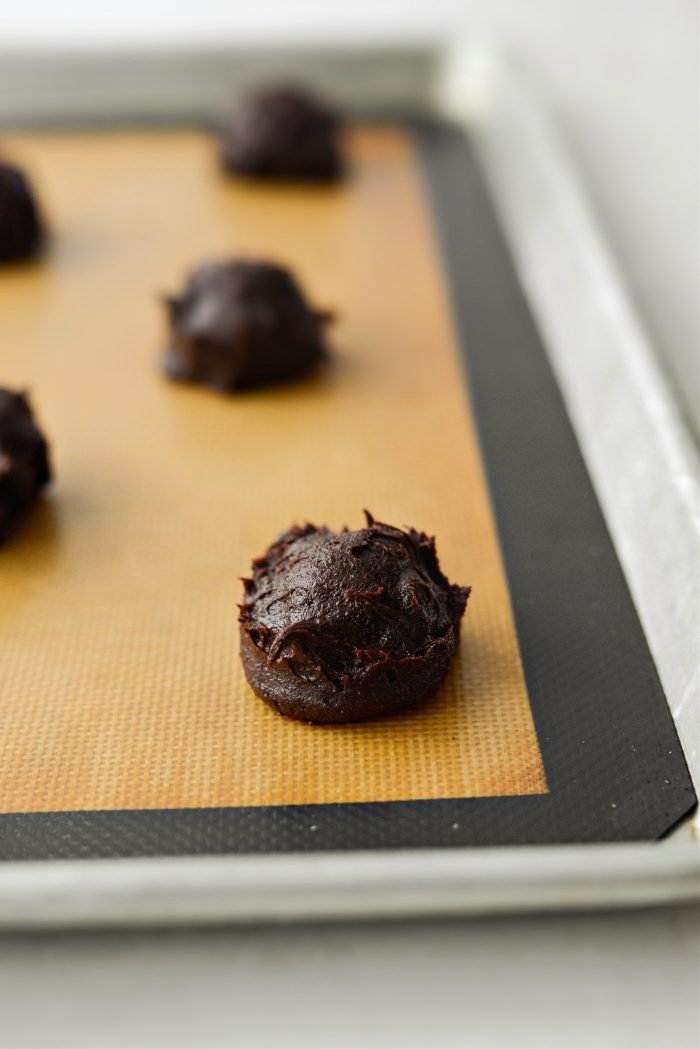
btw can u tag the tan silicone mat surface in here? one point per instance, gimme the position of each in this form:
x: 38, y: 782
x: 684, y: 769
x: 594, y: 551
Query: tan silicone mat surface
x: 121, y: 685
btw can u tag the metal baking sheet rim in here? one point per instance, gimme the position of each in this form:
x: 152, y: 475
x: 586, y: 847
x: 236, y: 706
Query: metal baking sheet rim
x: 550, y: 230
x: 208, y: 890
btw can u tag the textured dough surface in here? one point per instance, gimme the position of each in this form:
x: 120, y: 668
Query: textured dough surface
x: 341, y: 626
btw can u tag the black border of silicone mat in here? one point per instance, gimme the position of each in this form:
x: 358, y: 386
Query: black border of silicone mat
x: 613, y: 761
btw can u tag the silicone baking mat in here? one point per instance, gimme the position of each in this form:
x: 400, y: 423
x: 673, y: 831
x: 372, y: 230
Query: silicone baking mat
x: 127, y: 723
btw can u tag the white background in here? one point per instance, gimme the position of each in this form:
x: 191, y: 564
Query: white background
x: 621, y: 76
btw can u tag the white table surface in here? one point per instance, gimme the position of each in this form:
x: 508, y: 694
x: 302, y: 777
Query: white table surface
x: 591, y: 980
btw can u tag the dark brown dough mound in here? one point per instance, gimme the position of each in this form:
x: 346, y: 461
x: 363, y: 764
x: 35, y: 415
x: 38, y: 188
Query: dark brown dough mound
x: 24, y: 459
x: 341, y: 626
x: 21, y: 230
x: 241, y: 324
x: 282, y: 133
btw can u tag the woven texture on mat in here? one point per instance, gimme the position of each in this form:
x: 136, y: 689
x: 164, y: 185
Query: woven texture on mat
x: 121, y: 682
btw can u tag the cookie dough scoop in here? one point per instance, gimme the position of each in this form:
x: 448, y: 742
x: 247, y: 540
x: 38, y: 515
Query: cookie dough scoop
x: 24, y: 459
x: 342, y: 626
x: 241, y: 324
x: 282, y: 133
x: 21, y: 227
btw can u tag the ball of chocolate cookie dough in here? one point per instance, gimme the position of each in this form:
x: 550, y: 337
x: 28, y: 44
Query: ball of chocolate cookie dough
x: 242, y: 324
x: 21, y: 228
x: 24, y: 459
x: 282, y: 133
x: 341, y: 626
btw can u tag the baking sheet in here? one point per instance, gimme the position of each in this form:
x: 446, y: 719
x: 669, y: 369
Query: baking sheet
x: 122, y: 686
x: 605, y: 736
